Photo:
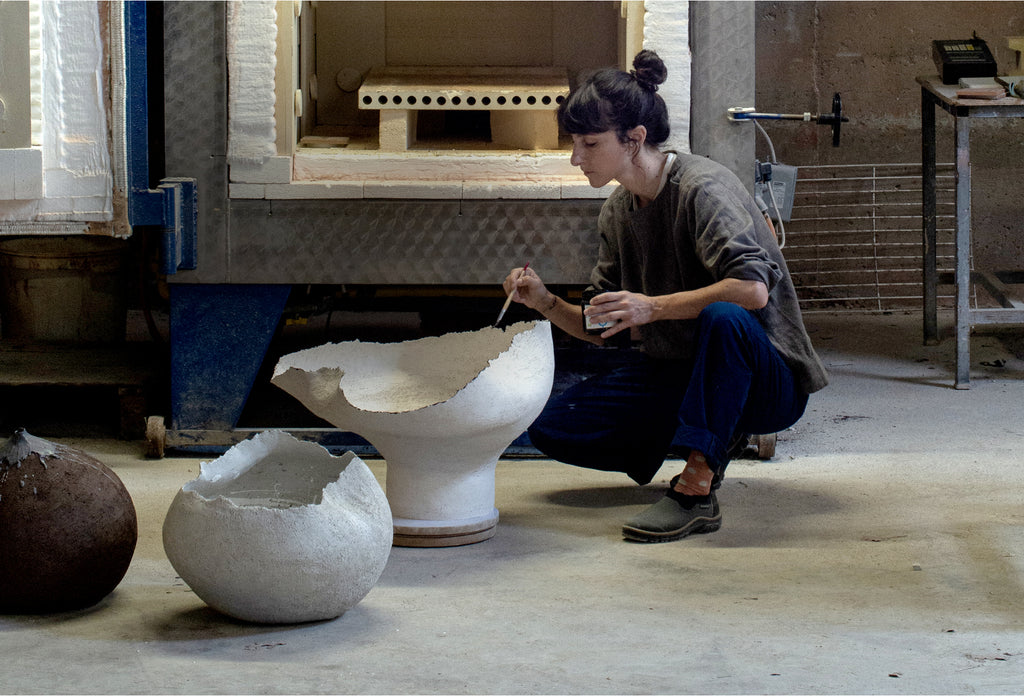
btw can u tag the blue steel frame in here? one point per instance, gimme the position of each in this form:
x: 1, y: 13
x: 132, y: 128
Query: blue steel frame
x: 219, y: 333
x: 172, y: 206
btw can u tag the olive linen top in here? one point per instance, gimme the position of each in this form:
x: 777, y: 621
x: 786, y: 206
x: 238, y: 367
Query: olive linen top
x: 702, y: 227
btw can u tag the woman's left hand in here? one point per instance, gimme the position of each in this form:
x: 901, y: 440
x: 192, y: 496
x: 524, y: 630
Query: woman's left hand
x: 623, y: 309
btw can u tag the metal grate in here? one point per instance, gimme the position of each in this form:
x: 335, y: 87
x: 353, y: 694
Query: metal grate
x: 854, y: 240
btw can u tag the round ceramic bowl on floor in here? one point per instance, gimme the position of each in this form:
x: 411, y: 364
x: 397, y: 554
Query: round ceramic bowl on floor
x: 440, y: 410
x: 280, y: 531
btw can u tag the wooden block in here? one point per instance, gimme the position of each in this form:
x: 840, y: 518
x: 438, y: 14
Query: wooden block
x: 397, y: 129
x: 981, y: 93
x: 156, y: 437
x: 527, y: 130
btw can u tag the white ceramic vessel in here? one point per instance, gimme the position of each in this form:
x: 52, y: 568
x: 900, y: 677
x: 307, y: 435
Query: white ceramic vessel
x: 440, y: 410
x: 280, y: 531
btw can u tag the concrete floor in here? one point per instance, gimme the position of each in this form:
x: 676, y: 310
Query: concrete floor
x: 880, y: 551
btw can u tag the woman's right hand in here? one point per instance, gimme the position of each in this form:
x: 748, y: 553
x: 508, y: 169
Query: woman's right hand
x: 527, y: 288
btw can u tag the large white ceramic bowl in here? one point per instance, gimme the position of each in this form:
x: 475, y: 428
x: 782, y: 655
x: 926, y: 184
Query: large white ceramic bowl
x: 280, y: 531
x: 440, y: 410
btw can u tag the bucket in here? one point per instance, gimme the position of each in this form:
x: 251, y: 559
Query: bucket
x: 65, y: 289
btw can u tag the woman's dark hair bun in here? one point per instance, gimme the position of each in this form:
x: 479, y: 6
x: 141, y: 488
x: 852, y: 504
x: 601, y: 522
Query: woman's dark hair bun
x: 614, y: 100
x: 649, y: 70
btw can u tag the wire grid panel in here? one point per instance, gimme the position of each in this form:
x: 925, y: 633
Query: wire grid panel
x: 854, y: 240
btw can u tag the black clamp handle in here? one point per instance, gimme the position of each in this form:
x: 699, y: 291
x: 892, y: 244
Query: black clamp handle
x: 834, y: 119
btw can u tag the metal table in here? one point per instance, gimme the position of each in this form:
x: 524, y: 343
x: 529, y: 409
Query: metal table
x: 1010, y: 311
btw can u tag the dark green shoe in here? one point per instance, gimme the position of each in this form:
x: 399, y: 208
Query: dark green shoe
x: 674, y: 517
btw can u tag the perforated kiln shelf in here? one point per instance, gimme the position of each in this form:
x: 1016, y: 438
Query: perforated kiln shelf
x: 521, y: 101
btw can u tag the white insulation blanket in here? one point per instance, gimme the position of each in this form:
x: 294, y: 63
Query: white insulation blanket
x: 252, y: 44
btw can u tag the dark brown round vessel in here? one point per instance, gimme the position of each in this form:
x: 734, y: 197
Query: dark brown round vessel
x: 68, y: 527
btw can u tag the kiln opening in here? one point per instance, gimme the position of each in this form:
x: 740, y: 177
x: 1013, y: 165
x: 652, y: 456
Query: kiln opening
x: 392, y: 76
x: 440, y: 100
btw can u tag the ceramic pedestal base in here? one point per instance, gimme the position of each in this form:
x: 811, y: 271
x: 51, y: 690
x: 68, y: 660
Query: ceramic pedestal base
x: 430, y: 533
x: 440, y: 410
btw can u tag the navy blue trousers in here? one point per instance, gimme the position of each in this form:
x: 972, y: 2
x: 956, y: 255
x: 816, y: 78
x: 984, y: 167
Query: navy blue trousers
x: 633, y: 417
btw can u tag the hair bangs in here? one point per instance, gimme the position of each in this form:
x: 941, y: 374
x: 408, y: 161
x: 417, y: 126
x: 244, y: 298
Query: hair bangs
x: 585, y: 112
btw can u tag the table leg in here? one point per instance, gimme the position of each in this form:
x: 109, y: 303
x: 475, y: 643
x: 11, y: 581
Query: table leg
x: 963, y: 253
x: 930, y: 277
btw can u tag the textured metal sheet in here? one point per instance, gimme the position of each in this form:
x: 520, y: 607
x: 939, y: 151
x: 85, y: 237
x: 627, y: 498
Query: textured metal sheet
x: 195, y: 122
x: 411, y: 242
x: 341, y: 241
x: 403, y: 241
x: 722, y: 41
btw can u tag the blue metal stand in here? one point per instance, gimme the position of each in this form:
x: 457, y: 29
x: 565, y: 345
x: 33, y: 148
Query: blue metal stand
x: 219, y: 337
x: 173, y: 205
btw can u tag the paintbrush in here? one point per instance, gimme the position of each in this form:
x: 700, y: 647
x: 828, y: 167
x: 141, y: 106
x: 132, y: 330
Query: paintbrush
x: 508, y: 300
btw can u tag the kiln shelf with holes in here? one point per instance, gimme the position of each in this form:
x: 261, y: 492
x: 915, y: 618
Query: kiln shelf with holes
x: 521, y: 101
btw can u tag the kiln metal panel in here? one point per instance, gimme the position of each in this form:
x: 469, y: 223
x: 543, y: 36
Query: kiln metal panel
x: 317, y: 241
x: 410, y: 242
x: 195, y: 121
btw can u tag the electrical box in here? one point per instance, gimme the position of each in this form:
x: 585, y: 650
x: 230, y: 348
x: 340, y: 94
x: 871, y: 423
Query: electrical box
x: 775, y: 184
x: 957, y: 58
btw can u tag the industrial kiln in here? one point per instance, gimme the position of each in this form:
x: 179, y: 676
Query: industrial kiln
x: 375, y: 145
